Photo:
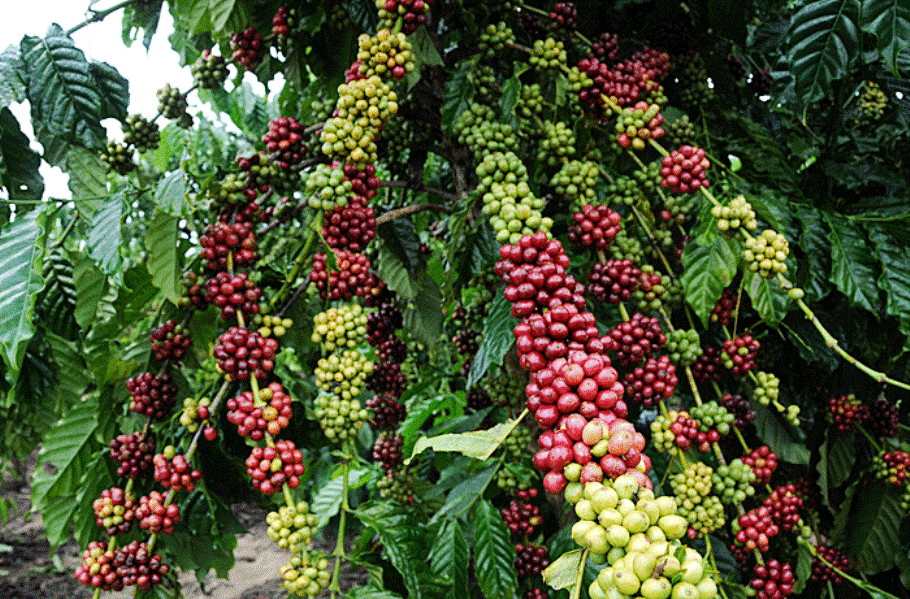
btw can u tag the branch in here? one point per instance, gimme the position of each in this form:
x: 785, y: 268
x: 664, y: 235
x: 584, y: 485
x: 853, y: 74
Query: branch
x: 399, y: 212
x: 99, y: 16
x: 433, y: 190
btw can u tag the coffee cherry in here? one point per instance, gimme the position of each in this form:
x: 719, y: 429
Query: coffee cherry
x: 340, y: 328
x: 174, y: 472
x: 386, y: 378
x: 115, y: 511
x: 413, y: 13
x: 97, y: 568
x: 284, y: 141
x: 772, y: 580
x: 739, y: 354
x: 349, y: 227
x: 735, y: 215
x: 306, y: 576
x: 530, y: 560
x: 733, y: 483
x: 220, y: 239
x: 387, y: 450
x: 352, y: 277
x: 248, y: 48
x: 767, y: 389
x: 683, y: 346
x: 193, y: 294
x: 363, y: 106
x: 513, y: 209
x: 140, y: 133
x: 558, y: 143
x: 270, y: 414
x: 892, y: 467
x: 847, y: 411
x: 171, y: 103
x: 707, y: 366
x: 388, y: 413
x: 118, y: 158
x: 209, y: 71
x: 681, y: 132
x: 651, y: 382
x: 170, y: 342
x: 521, y: 517
x: 397, y: 485
x: 594, y: 227
x: 530, y: 250
x: 272, y: 467
x: 763, y: 463
x: 285, y: 24
x: 547, y: 56
x: 241, y: 352
x: 343, y: 374
x: 613, y: 281
x: 692, y: 488
x: 576, y: 181
x: 385, y: 54
x: 766, y: 253
x: 725, y: 306
x: 683, y: 171
x: 133, y: 454
x: 884, y: 419
x: 194, y: 412
x: 292, y: 527
x: 872, y: 102
x: 636, y: 339
x: 605, y: 47
x: 740, y: 408
x: 650, y: 289
x: 636, y: 125
x: 152, y: 396
x: 233, y: 294
x: 154, y: 516
x: 382, y: 324
x: 339, y: 418
x: 822, y: 572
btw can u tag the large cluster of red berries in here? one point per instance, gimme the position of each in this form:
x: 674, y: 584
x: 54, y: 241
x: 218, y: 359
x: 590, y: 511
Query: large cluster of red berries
x: 822, y: 572
x: 784, y: 503
x: 740, y: 353
x: 232, y: 294
x: 531, y: 250
x: 533, y: 289
x: 253, y: 420
x: 637, y: 338
x: 741, y: 409
x: 564, y: 14
x: 780, y: 510
x: 523, y: 517
x: 686, y: 431
x: 763, y: 463
x: 111, y: 570
x: 613, y: 281
x: 388, y: 412
x: 773, y: 580
x: 847, y: 411
x: 707, y: 366
x: 530, y: 559
x: 387, y: 450
x: 594, y: 227
x: 133, y: 454
x: 884, y: 419
x: 272, y: 467
x: 155, y: 515
x: 627, y: 82
x: 248, y: 48
x: 894, y: 467
x: 221, y: 239
x: 170, y: 342
x: 683, y: 171
x: 723, y: 309
x: 413, y: 13
x: 386, y: 378
x: 175, y: 473
x: 651, y: 382
x: 382, y: 323
x: 152, y: 395
x: 352, y: 277
x: 241, y: 352
x: 350, y: 227
x: 543, y: 338
x: 364, y: 182
x: 284, y: 141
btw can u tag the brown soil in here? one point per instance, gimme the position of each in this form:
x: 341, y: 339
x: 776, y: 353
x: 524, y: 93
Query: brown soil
x: 30, y: 570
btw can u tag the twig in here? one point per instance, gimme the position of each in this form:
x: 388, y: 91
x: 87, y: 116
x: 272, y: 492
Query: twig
x: 407, y: 210
x: 99, y: 16
x: 419, y: 187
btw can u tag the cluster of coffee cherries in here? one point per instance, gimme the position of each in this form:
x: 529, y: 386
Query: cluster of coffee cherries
x: 613, y: 281
x: 847, y: 412
x: 892, y: 467
x: 209, y: 71
x: 242, y: 353
x: 624, y: 83
x: 637, y: 124
x: 352, y: 277
x: 736, y: 215
x: 693, y: 489
x: 174, y: 472
x: 413, y: 13
x: 594, y: 227
x: 306, y: 575
x: 576, y: 181
x: 233, y: 294
x: 292, y: 527
x: 173, y: 105
x: 270, y: 468
x: 269, y: 415
x: 684, y: 170
x: 152, y: 395
x: 115, y: 510
x: 739, y: 353
x: 111, y: 570
x: 170, y: 342
x: 248, y: 48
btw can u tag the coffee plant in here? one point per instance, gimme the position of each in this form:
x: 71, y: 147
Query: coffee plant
x: 522, y: 313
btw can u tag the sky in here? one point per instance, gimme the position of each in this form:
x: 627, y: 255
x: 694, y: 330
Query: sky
x: 146, y: 72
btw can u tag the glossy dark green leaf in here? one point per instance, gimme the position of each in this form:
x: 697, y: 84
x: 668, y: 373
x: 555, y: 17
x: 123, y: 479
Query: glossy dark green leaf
x: 464, y: 494
x: 895, y: 277
x: 457, y: 96
x: 708, y: 271
x: 114, y: 88
x: 837, y: 458
x: 889, y: 22
x: 18, y: 162
x: 768, y: 299
x: 21, y: 245
x: 423, y: 317
x: 13, y: 76
x: 403, y: 542
x: 508, y: 100
x: 141, y: 16
x: 803, y: 568
x: 163, y: 265
x: 854, y: 270
x: 823, y: 39
x: 170, y: 195
x: 87, y: 180
x: 494, y: 553
x: 449, y: 556
x: 89, y: 282
x: 814, y: 241
x: 871, y: 531
x: 61, y: 90
x: 106, y: 235
x: 497, y: 339
x: 784, y: 440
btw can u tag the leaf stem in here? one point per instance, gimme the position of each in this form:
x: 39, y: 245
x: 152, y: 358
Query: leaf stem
x: 99, y: 16
x: 579, y: 577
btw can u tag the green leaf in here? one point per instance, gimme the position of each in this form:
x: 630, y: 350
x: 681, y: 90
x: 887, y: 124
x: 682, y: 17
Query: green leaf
x: 889, y: 22
x: 21, y: 247
x: 708, y: 270
x: 872, y: 533
x: 475, y: 444
x: 371, y: 592
x: 813, y: 240
x: 18, y: 162
x: 465, y: 493
x: 327, y: 502
x: 768, y: 299
x: 449, y: 556
x: 142, y: 16
x: 895, y: 277
x: 89, y: 283
x: 494, y: 553
x: 423, y: 318
x: 562, y: 573
x: 425, y: 54
x: 822, y: 41
x: 458, y: 94
x: 402, y: 539
x: 72, y: 371
x: 418, y: 413
x: 780, y: 436
x: 161, y: 243
x: 170, y: 195
x: 497, y: 339
x: 105, y: 235
x: 12, y: 77
x: 854, y: 268
x: 837, y: 458
x: 508, y: 100
x: 62, y: 93
x: 65, y: 453
x: 803, y: 568
x: 220, y: 11
x: 87, y: 180
x: 115, y: 90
